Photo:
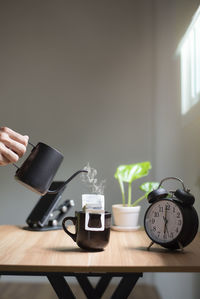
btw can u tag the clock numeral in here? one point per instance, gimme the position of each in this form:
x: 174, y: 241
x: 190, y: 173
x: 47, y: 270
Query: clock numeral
x: 167, y: 207
x: 179, y: 222
x: 171, y: 235
x: 154, y: 228
x: 178, y: 215
x: 161, y: 209
x: 177, y: 230
x: 153, y: 221
x: 156, y: 214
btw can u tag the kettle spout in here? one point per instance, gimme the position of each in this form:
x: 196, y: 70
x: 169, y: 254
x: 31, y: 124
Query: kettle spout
x: 66, y: 182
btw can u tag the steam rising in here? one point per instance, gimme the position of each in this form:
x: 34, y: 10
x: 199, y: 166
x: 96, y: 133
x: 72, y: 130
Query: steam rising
x: 91, y: 181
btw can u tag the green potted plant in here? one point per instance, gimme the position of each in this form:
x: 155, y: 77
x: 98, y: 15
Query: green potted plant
x: 126, y: 214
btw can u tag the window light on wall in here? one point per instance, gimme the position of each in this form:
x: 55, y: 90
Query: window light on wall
x: 189, y: 50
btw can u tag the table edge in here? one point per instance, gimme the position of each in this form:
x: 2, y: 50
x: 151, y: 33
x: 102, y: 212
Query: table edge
x: 94, y: 269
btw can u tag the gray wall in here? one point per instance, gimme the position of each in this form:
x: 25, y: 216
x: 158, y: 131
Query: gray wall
x: 78, y: 76
x: 177, y: 142
x: 99, y: 80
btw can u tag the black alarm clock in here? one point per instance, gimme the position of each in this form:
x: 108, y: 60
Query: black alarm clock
x: 171, y: 220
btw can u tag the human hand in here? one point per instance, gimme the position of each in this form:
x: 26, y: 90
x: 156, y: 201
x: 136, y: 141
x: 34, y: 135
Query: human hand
x: 12, y: 146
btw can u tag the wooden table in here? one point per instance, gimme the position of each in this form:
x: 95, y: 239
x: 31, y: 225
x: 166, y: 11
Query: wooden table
x: 55, y: 255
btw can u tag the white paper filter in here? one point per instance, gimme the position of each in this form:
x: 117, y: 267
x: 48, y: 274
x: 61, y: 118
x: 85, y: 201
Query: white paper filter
x: 94, y: 204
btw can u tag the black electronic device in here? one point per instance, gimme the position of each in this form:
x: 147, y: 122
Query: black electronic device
x: 46, y: 214
x: 171, y: 220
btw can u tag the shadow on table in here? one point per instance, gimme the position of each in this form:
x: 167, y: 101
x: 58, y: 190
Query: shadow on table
x: 65, y: 249
x: 72, y: 249
x: 156, y: 250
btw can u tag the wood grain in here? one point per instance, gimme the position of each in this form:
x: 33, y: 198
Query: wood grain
x: 54, y: 251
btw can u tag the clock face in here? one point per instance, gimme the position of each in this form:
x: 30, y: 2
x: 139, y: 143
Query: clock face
x: 163, y: 221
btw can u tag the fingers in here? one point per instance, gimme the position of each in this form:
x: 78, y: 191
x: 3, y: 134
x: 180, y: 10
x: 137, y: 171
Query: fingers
x: 12, y: 146
x: 8, y: 156
x: 14, y: 135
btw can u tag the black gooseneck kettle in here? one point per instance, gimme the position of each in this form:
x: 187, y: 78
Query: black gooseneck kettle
x: 38, y: 170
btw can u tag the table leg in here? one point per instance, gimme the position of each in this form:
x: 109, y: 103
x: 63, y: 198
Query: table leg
x: 60, y: 286
x: 126, y: 285
x: 122, y: 291
x: 88, y: 289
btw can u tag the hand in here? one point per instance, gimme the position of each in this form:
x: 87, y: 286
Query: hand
x: 165, y: 227
x: 165, y: 222
x: 12, y: 146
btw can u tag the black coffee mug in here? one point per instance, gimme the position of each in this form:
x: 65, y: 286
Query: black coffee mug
x: 95, y: 239
x: 38, y: 170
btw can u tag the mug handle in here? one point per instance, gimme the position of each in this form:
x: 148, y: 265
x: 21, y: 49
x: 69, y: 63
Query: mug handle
x: 73, y: 219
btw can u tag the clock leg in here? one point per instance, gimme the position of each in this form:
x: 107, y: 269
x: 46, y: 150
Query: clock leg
x: 148, y: 248
x: 180, y: 246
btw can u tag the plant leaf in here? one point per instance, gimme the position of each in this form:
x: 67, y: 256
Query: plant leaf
x: 149, y: 186
x: 131, y: 172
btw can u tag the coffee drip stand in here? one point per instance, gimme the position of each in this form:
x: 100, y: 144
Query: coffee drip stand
x: 48, y: 212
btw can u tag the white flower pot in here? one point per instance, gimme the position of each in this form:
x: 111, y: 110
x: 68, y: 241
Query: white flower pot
x: 125, y: 216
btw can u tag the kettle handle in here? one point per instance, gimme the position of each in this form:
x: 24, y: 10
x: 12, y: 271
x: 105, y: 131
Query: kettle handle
x: 66, y: 182
x: 32, y: 146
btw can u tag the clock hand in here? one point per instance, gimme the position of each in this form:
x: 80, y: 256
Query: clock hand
x: 165, y: 221
x: 166, y: 227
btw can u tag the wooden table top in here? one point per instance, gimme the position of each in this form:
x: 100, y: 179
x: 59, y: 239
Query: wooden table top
x: 55, y: 251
